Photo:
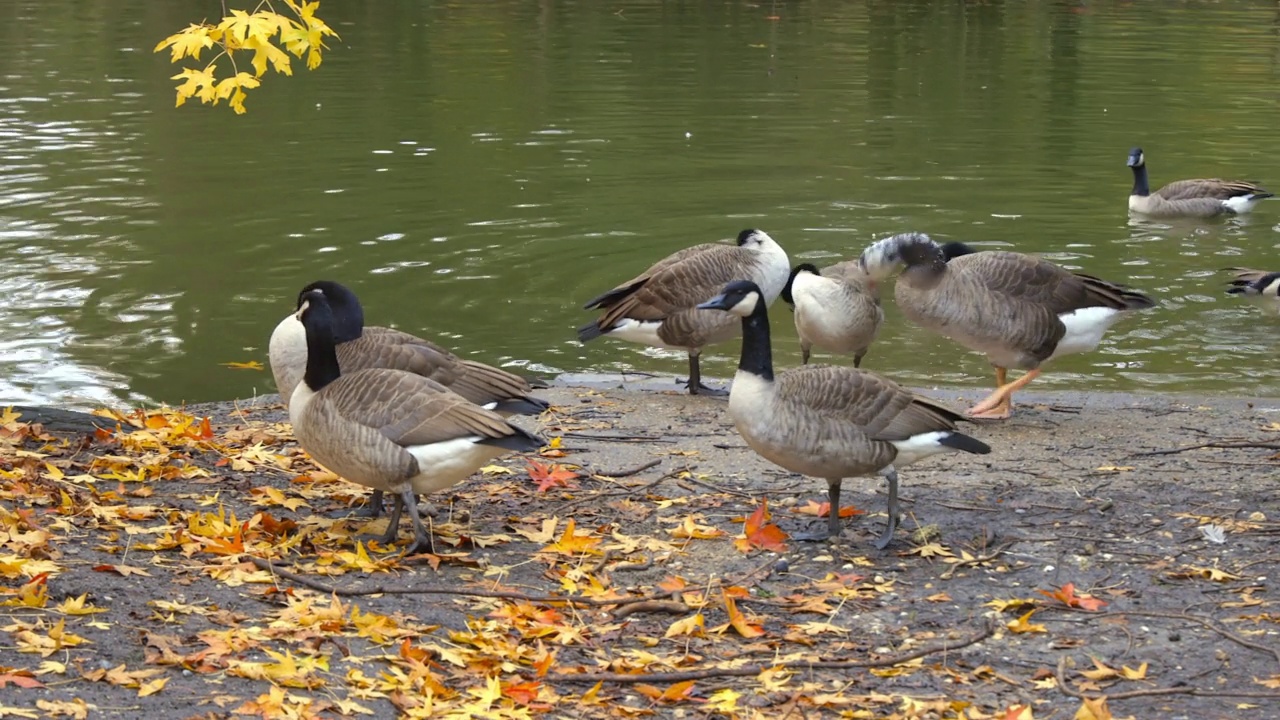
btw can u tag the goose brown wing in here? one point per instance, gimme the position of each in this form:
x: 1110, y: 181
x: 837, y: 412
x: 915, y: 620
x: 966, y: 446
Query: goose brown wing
x: 681, y: 284
x: 880, y: 408
x: 410, y: 409
x: 1247, y: 276
x: 399, y: 351
x: 1207, y: 188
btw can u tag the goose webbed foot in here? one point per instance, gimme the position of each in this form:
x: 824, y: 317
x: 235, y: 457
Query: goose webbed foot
x: 694, y: 383
x: 372, y: 509
x: 999, y: 404
x: 891, y: 524
x: 421, y: 538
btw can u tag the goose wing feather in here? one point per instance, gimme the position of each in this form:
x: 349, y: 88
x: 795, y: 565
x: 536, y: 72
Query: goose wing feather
x: 1206, y: 188
x: 677, y: 284
x: 875, y: 406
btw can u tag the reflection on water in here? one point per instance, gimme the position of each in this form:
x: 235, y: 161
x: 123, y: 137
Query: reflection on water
x: 475, y: 173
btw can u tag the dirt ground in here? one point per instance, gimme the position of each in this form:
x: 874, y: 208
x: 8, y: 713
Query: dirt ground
x: 1138, y: 532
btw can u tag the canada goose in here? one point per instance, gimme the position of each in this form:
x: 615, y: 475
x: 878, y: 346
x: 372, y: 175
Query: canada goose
x: 837, y: 309
x: 390, y: 430
x: 361, y: 347
x: 828, y: 421
x: 1019, y: 310
x: 1190, y: 198
x: 659, y: 306
x: 1258, y: 286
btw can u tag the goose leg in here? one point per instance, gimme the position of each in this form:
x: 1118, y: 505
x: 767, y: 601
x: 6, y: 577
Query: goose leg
x: 833, y: 516
x: 421, y: 538
x: 804, y: 354
x: 891, y: 475
x: 857, y: 359
x: 999, y: 404
x: 695, y: 378
x: 393, y: 521
x: 373, y: 509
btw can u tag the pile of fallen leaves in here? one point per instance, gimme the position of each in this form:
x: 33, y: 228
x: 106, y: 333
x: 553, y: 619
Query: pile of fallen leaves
x: 249, y: 585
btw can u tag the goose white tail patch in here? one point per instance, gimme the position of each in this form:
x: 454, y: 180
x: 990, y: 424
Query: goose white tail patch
x: 1241, y: 203
x: 1085, y: 328
x: 445, y: 464
x: 644, y: 332
x: 920, y: 446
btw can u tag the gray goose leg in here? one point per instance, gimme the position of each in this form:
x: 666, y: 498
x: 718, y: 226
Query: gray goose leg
x: 695, y: 379
x: 833, y: 517
x: 891, y: 475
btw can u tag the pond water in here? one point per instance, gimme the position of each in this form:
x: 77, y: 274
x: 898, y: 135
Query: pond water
x: 475, y: 171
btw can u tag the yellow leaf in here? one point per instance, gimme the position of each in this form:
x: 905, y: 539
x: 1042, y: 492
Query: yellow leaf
x: 1093, y: 709
x: 496, y: 470
x: 931, y: 550
x: 1100, y: 671
x: 687, y: 626
x: 76, y: 606
x: 691, y: 530
x: 153, y: 687
x: 1021, y: 625
x: 570, y: 543
x: 1131, y: 674
x: 199, y: 83
x: 188, y: 42
x: 818, y: 628
x: 241, y: 25
x: 723, y: 701
x: 265, y: 51
x: 251, y: 365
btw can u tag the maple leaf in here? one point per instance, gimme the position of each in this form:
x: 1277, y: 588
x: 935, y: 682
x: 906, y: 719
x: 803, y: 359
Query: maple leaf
x: 1100, y: 671
x: 1272, y: 682
x: 551, y: 476
x: 759, y: 533
x: 571, y: 544
x: 687, y: 626
x: 76, y: 606
x: 1022, y: 625
x: 199, y: 83
x: 817, y: 509
x: 1018, y: 712
x: 76, y: 709
x: 1213, y: 574
x: 689, y: 529
x: 932, y: 549
x: 1067, y: 596
x: 1010, y: 604
x: 189, y: 42
x: 675, y: 693
x: 252, y: 364
x: 738, y: 621
x: 1093, y: 709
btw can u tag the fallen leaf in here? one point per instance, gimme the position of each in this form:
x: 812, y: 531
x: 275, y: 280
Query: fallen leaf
x: 1067, y: 596
x: 1021, y: 625
x: 549, y: 476
x: 251, y: 365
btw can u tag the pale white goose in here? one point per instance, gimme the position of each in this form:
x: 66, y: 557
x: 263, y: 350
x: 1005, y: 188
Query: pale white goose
x: 826, y: 421
x: 361, y: 348
x: 659, y: 306
x: 390, y: 430
x: 1198, y: 198
x: 1257, y: 286
x: 1020, y: 310
x: 837, y: 309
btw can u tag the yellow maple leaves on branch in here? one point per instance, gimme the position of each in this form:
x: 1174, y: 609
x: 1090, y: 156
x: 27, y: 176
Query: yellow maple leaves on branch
x: 264, y: 33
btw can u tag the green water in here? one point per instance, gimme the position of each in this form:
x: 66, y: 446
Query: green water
x: 476, y: 170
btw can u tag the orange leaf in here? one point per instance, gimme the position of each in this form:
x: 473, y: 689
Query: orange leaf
x: 739, y: 621
x: 760, y: 534
x: 523, y: 693
x: 571, y: 544
x: 549, y: 476
x: 818, y: 509
x: 22, y: 681
x: 673, y: 584
x: 1067, y: 596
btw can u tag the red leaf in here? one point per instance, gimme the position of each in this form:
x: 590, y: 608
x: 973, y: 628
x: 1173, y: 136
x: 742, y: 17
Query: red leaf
x: 551, y: 476
x: 22, y: 681
x: 1067, y: 596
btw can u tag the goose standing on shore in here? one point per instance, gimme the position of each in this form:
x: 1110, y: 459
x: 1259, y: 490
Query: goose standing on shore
x: 1201, y: 198
x: 390, y: 430
x: 1258, y: 286
x: 1019, y: 310
x: 361, y: 348
x: 827, y: 421
x: 659, y: 307
x: 836, y: 310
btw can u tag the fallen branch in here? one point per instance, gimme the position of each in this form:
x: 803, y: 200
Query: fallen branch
x: 674, y: 607
x: 618, y: 438
x: 1212, y: 444
x: 749, y: 670
x: 1151, y: 692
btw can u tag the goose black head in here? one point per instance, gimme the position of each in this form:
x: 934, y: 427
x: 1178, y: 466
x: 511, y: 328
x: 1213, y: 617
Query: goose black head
x: 348, y: 314
x: 740, y: 297
x: 753, y: 238
x: 786, y: 289
x: 1136, y: 158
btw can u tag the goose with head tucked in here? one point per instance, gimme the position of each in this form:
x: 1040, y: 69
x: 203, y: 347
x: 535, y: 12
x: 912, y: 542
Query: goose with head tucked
x: 361, y: 347
x: 1199, y: 198
x: 659, y: 307
x: 1019, y: 310
x: 830, y: 422
x: 837, y: 309
x: 1257, y: 286
x: 390, y: 430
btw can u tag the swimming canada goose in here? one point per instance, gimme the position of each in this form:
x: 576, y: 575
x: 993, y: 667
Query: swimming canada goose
x: 828, y: 421
x: 836, y: 310
x: 1020, y: 310
x: 390, y: 430
x: 361, y: 347
x: 1190, y: 198
x: 1258, y: 286
x: 659, y: 306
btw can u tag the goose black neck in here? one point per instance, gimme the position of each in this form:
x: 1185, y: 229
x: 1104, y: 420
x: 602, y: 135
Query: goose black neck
x: 1140, y: 181
x: 322, y: 352
x: 757, y: 352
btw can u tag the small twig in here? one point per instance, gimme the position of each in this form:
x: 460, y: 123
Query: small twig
x: 997, y: 552
x: 630, y: 471
x: 1212, y: 444
x: 713, y: 488
x: 634, y: 566
x: 749, y: 670
x: 634, y: 490
x: 618, y: 438
x: 1203, y: 621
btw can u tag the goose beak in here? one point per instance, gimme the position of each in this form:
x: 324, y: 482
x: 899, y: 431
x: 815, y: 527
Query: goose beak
x: 719, y: 302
